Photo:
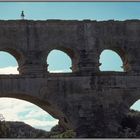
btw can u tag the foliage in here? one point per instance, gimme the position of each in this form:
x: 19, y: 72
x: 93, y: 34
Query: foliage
x: 4, y: 127
x: 130, y: 126
x: 59, y: 132
x: 57, y: 129
x: 66, y: 134
x: 22, y: 130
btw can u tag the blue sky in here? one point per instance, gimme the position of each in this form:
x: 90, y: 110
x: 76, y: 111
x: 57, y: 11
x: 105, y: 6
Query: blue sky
x: 71, y: 10
x: 18, y: 110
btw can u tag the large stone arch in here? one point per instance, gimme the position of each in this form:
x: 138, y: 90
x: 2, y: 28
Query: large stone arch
x: 43, y: 104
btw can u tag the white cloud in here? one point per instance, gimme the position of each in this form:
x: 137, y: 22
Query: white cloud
x: 38, y: 123
x: 60, y: 71
x: 13, y: 70
x: 36, y: 112
x: 9, y: 70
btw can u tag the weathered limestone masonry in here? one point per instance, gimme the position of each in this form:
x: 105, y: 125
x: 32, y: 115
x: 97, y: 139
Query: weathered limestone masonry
x: 91, y: 102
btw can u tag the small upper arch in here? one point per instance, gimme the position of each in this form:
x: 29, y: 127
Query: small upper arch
x: 10, y: 61
x: 114, y: 59
x: 16, y: 53
x: 62, y: 57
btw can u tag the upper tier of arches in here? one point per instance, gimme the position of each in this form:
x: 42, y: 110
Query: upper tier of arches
x: 61, y: 57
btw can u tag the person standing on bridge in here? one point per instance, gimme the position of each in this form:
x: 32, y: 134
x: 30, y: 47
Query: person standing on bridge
x: 22, y: 15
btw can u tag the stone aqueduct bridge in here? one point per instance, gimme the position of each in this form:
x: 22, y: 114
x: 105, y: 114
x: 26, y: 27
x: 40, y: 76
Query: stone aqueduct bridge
x: 85, y: 100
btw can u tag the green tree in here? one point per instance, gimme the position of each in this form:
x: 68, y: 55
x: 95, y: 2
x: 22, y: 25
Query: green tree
x: 4, y: 128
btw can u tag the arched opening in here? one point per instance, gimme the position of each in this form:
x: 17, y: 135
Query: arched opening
x: 8, y: 63
x: 110, y: 61
x: 23, y: 119
x: 136, y: 106
x: 22, y: 111
x: 27, y: 120
x: 59, y: 62
x: 130, y: 124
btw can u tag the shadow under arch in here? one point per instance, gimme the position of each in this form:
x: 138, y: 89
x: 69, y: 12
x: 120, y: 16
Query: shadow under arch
x: 133, y: 101
x: 45, y: 105
x: 123, y: 55
x: 131, y: 97
x: 72, y: 53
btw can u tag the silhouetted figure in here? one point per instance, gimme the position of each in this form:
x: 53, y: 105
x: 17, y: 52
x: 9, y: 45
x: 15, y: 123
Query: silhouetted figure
x: 22, y: 15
